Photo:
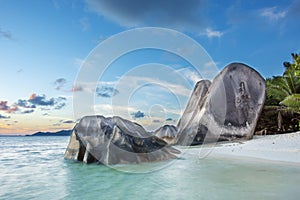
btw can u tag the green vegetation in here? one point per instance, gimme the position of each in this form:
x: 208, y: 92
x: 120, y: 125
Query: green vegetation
x: 281, y: 112
x: 285, y: 90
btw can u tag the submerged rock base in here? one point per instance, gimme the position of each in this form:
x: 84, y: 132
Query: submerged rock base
x: 115, y: 141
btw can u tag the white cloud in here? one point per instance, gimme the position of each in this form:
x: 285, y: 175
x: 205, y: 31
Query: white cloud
x: 111, y: 110
x: 208, y: 71
x: 211, y: 64
x: 92, y: 86
x: 273, y: 13
x: 190, y: 74
x: 140, y: 91
x: 137, y: 81
x: 213, y: 33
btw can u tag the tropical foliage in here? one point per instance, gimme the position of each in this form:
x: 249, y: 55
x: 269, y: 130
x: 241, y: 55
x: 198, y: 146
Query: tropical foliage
x: 285, y: 90
x: 293, y: 67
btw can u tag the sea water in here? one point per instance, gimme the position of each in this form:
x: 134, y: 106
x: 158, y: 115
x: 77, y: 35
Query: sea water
x: 34, y: 168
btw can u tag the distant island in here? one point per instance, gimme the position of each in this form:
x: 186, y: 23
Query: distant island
x: 59, y: 133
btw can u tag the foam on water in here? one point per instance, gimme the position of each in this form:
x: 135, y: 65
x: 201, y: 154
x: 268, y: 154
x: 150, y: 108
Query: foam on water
x: 34, y: 168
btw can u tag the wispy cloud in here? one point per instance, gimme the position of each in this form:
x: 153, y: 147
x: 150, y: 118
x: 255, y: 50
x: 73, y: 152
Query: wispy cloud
x: 60, y: 106
x: 60, y: 103
x: 56, y: 124
x: 110, y: 110
x: 27, y: 111
x: 62, y: 84
x: 208, y: 71
x: 192, y: 75
x: 138, y: 114
x: 177, y: 14
x: 210, y: 33
x: 170, y: 120
x: 273, y: 13
x: 6, y: 108
x: 240, y: 16
x: 41, y: 100
x: 106, y: 91
x: 156, y: 121
x: 4, y: 117
x: 136, y: 82
x: 24, y: 104
x: 33, y: 102
x: 59, y: 83
x: 102, y: 88
x: 77, y: 88
x: 68, y: 122
x: 6, y: 34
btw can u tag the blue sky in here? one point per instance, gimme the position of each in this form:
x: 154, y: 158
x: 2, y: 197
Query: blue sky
x: 44, y: 43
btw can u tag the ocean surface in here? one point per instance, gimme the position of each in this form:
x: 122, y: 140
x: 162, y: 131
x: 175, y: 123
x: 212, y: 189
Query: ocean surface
x: 34, y: 168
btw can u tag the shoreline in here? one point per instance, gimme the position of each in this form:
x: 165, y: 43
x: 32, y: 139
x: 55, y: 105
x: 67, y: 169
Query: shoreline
x: 280, y: 149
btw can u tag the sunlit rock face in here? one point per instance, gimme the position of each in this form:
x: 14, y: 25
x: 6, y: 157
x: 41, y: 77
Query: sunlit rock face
x: 168, y: 133
x: 225, y: 110
x: 115, y: 141
x: 189, y: 124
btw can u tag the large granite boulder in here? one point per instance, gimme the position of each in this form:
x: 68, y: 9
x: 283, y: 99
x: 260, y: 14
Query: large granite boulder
x: 227, y: 109
x: 115, y: 141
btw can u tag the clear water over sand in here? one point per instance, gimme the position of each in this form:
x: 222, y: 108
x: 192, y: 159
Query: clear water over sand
x: 34, y: 168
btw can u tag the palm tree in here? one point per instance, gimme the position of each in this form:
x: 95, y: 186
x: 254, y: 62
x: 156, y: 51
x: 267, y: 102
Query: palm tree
x: 292, y: 102
x: 285, y: 90
x: 293, y: 67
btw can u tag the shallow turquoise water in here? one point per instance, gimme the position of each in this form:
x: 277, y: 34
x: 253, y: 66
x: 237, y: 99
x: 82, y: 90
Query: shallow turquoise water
x: 34, y: 168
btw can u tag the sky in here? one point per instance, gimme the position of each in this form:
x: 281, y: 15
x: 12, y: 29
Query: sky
x: 45, y: 45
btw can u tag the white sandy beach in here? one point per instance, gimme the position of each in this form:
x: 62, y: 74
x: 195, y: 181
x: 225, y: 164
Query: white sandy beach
x: 278, y: 148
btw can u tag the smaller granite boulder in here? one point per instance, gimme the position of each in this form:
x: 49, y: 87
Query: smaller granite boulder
x: 96, y: 139
x: 168, y: 133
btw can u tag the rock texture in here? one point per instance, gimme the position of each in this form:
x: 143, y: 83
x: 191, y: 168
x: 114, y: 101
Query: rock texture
x: 225, y: 110
x: 189, y: 127
x: 114, y: 141
x: 168, y: 133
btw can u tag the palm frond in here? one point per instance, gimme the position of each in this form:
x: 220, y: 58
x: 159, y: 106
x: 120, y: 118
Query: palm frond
x: 292, y: 101
x: 278, y: 88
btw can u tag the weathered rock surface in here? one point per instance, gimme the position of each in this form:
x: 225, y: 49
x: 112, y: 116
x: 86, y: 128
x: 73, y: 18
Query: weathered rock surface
x: 168, y: 133
x: 228, y: 110
x: 114, y: 141
x: 189, y: 127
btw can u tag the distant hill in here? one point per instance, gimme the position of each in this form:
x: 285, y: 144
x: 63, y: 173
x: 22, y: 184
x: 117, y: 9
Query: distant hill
x: 59, y: 133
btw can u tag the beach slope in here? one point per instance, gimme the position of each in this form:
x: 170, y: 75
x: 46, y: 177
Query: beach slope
x: 279, y: 148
